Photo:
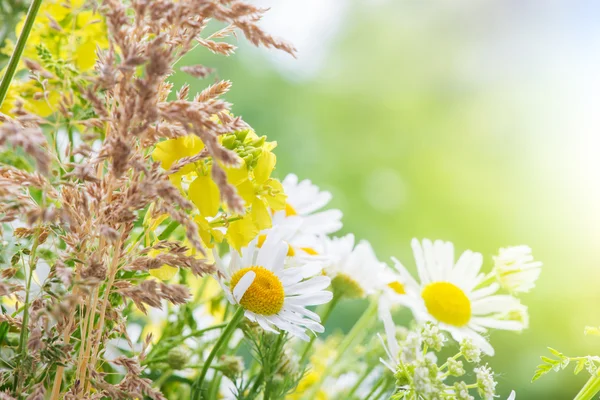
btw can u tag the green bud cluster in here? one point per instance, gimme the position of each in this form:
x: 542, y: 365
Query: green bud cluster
x: 247, y: 148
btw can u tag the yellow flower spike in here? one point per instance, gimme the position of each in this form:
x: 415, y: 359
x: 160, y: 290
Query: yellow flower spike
x: 204, y: 193
x: 172, y: 150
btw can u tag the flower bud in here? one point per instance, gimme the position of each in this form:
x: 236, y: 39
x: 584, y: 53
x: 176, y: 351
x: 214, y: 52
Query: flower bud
x: 178, y: 357
x: 231, y: 366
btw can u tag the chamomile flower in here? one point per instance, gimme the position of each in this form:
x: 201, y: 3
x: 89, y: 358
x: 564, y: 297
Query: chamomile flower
x: 303, y: 220
x: 515, y: 269
x: 453, y: 294
x: 304, y: 200
x: 270, y: 294
x: 354, y: 269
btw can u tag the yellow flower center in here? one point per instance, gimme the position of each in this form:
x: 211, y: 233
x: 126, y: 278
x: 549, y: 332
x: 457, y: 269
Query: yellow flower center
x: 397, y: 287
x: 289, y: 210
x: 265, y: 296
x: 447, y: 303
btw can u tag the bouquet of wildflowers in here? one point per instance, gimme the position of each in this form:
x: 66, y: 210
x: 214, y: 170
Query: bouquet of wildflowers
x: 149, y: 252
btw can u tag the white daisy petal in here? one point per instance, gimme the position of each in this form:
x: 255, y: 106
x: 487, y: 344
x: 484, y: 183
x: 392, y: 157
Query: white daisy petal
x: 498, y: 324
x: 323, y: 222
x: 311, y: 269
x: 312, y: 285
x: 494, y: 304
x: 305, y: 312
x: 390, y: 328
x: 291, y: 276
x: 243, y: 285
x: 264, y: 323
x: 484, y: 292
x: 420, y: 261
x: 313, y: 299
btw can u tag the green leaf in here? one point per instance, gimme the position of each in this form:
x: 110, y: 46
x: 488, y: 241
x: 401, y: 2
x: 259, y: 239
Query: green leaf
x: 549, y: 360
x: 556, y: 352
x: 579, y: 366
x: 542, y: 369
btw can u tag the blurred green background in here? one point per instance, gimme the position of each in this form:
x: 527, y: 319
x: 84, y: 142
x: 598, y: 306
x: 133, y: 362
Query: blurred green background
x: 466, y: 121
x: 469, y: 121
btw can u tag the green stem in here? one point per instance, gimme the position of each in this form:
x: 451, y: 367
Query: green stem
x: 18, y: 52
x: 359, y: 329
x: 71, y: 148
x: 168, y: 230
x: 375, y: 387
x: 257, y: 384
x: 359, y: 382
x: 223, y: 339
x: 324, y: 319
x: 22, y: 350
x: 171, y: 344
x: 213, y: 390
x: 590, y: 389
x: 273, y: 362
x: 384, y: 388
x: 163, y: 378
x: 454, y: 357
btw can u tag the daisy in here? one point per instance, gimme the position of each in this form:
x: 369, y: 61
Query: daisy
x: 304, y: 200
x: 454, y: 294
x: 304, y: 222
x: 354, y: 269
x: 515, y: 269
x: 271, y: 295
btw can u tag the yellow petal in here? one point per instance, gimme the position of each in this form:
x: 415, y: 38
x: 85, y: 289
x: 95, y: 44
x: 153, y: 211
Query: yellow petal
x: 276, y: 197
x: 235, y: 176
x: 164, y: 273
x: 264, y: 166
x: 204, y: 230
x: 172, y: 150
x: 85, y: 55
x: 241, y: 232
x: 260, y: 214
x: 246, y: 191
x: 204, y: 193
